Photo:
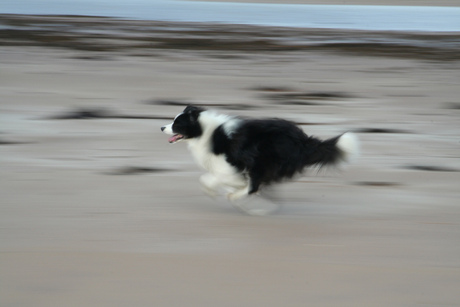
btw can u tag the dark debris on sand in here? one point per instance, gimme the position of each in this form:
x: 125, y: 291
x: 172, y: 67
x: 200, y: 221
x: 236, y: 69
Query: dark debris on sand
x: 138, y: 170
x: 229, y: 106
x: 95, y: 113
x: 305, y: 98
x: 381, y: 130
x: 430, y: 168
x: 6, y: 142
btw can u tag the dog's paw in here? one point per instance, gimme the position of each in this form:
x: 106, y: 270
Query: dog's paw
x: 255, y: 205
x: 237, y: 195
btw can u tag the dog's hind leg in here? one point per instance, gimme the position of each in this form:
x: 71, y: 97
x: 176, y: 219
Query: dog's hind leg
x: 251, y: 187
x: 254, y: 184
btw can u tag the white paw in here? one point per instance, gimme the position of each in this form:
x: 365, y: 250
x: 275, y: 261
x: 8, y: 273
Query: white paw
x: 255, y: 205
x: 237, y: 195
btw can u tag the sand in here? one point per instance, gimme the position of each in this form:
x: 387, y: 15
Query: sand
x: 99, y: 210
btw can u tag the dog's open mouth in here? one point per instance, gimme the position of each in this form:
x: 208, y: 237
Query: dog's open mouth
x: 175, y: 138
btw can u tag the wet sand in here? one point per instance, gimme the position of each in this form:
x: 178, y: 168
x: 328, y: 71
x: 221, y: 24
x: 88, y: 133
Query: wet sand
x: 99, y: 210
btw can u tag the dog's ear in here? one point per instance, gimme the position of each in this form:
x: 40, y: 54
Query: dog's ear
x: 193, y: 111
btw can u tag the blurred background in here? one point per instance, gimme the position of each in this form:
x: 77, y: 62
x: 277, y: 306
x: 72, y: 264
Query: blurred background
x: 98, y: 209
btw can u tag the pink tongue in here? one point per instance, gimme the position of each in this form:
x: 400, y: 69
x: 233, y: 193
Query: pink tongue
x: 174, y: 138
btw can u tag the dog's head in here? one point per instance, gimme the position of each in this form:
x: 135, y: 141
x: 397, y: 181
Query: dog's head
x: 185, y: 125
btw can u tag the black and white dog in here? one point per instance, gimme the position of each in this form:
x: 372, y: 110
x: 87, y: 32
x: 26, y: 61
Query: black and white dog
x: 243, y: 155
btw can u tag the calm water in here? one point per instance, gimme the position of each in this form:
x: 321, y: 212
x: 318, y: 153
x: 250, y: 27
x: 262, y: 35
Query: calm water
x: 402, y: 18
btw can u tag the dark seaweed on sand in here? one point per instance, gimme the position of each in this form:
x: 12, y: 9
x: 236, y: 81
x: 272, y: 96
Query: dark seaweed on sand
x: 148, y: 38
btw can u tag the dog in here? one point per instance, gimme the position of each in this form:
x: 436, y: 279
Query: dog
x: 244, y: 155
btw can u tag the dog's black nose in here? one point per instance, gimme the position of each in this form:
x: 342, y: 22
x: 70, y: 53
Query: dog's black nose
x: 163, y: 128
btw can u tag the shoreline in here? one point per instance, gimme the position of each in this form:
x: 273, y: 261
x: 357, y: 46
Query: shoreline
x: 144, y: 37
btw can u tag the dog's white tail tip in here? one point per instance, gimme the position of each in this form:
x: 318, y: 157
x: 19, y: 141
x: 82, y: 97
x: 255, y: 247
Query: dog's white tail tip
x: 348, y: 143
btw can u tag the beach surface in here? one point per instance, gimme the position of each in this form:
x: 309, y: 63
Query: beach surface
x: 99, y: 210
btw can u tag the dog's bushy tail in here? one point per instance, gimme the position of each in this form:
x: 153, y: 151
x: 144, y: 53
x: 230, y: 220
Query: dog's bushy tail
x: 340, y: 149
x: 348, y: 144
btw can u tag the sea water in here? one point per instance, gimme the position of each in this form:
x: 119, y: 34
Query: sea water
x: 360, y: 17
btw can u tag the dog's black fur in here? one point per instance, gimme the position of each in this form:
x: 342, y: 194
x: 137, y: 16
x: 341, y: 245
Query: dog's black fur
x: 271, y: 150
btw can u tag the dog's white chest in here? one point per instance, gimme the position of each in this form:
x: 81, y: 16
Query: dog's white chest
x: 206, y: 159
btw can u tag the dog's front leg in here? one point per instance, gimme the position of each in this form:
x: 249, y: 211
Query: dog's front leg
x: 238, y: 194
x: 210, y: 184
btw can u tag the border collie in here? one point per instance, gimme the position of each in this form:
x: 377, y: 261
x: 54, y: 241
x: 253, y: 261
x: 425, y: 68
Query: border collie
x: 243, y: 155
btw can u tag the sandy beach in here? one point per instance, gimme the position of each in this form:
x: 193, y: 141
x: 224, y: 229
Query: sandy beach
x: 99, y: 210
